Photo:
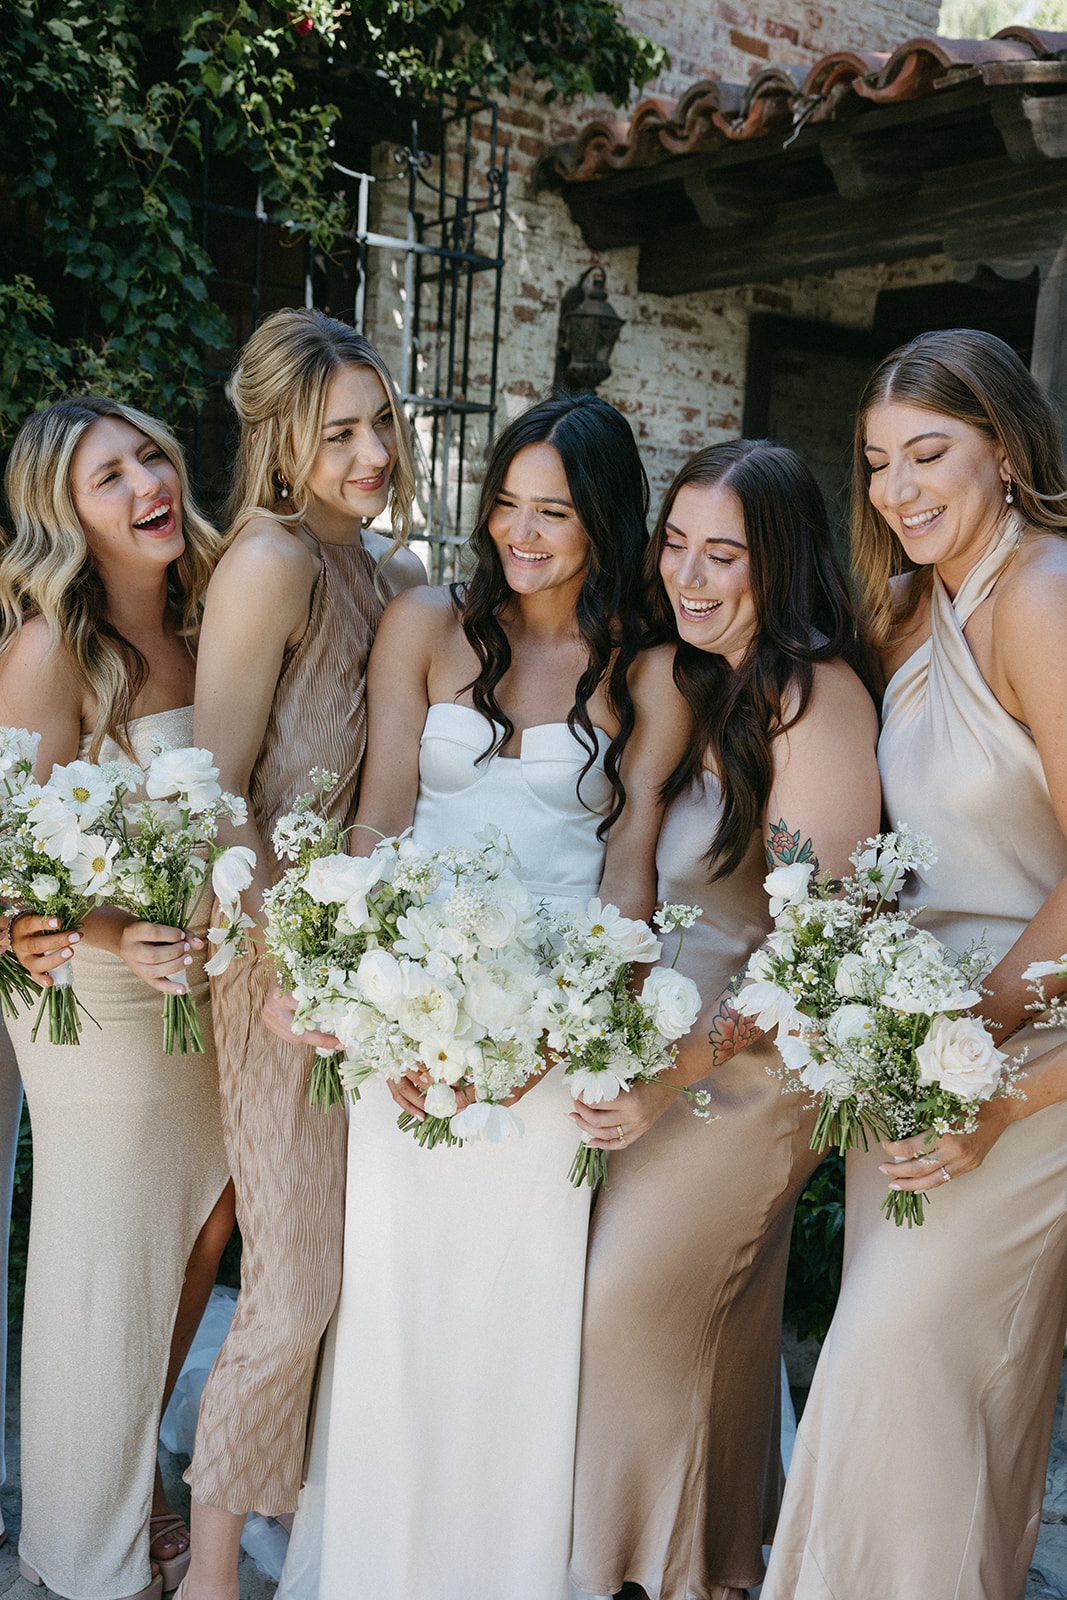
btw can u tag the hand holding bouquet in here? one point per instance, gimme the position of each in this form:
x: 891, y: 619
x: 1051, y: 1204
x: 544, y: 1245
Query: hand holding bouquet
x: 611, y: 1038
x: 872, y: 1013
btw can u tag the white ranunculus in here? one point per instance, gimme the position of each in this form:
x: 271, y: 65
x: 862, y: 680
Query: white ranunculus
x: 230, y: 875
x: 673, y: 999
x: 431, y: 1013
x: 787, y: 886
x: 489, y: 1123
x: 334, y: 880
x: 189, y: 774
x: 495, y: 998
x: 90, y: 870
x: 44, y: 886
x: 850, y: 975
x: 782, y: 942
x: 382, y: 982
x: 961, y: 1057
x: 848, y: 1024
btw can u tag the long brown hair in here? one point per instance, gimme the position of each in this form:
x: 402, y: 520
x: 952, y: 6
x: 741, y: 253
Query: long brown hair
x: 803, y: 616
x: 48, y: 570
x: 976, y: 378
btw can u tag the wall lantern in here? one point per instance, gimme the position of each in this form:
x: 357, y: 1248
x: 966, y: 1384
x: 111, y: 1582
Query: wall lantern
x: 588, y: 329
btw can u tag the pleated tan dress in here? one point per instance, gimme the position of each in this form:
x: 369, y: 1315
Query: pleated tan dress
x: 919, y: 1467
x: 128, y: 1161
x: 288, y: 1161
x: 679, y: 1474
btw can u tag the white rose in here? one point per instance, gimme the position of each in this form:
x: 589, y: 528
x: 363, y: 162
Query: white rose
x: 337, y: 879
x: 495, y: 999
x: 673, y: 999
x: 189, y: 772
x: 430, y: 1013
x: 961, y: 1057
x: 382, y: 982
x: 848, y: 979
x: 849, y: 1024
x: 44, y: 886
x: 787, y: 886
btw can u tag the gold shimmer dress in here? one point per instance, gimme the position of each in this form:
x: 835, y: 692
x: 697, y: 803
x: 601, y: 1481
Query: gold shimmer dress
x: 919, y: 1466
x: 678, y: 1473
x: 288, y: 1161
x: 128, y: 1162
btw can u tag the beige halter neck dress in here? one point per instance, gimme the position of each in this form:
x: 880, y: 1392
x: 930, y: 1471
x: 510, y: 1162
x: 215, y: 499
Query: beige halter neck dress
x: 288, y: 1161
x: 919, y: 1467
x: 679, y: 1473
x: 128, y: 1161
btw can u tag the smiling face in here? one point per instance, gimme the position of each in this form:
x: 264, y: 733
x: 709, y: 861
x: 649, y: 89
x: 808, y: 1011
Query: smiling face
x: 704, y: 564
x: 533, y: 524
x: 939, y: 484
x: 349, y: 479
x: 127, y: 497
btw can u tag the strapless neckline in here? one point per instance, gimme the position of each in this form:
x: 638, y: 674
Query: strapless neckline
x: 441, y: 709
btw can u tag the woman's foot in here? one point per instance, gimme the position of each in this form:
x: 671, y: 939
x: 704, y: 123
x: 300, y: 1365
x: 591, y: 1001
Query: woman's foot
x: 168, y: 1537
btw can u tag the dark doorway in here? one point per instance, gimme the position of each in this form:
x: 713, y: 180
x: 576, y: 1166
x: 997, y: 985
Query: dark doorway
x: 804, y: 378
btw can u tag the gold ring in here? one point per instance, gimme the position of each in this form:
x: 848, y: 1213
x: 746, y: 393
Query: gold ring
x: 621, y: 1132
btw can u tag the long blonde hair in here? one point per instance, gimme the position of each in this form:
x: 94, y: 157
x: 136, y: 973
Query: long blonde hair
x: 48, y: 570
x: 278, y: 390
x: 975, y: 378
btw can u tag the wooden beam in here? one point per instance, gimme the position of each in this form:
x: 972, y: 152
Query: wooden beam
x: 1049, y: 360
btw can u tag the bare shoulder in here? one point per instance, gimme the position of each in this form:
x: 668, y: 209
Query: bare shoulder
x: 401, y: 567
x: 1033, y: 590
x: 265, y: 549
x: 839, y: 704
x: 652, y: 673
x: 32, y: 655
x: 425, y: 613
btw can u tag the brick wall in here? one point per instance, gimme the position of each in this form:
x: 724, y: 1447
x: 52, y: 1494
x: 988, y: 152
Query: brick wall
x: 679, y: 365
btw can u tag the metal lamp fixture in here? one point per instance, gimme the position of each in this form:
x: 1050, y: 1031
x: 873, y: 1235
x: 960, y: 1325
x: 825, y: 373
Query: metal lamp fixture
x: 588, y: 328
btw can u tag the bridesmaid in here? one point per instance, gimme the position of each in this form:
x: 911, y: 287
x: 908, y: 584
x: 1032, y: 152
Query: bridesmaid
x: 920, y: 1464
x: 100, y: 590
x: 678, y: 1474
x: 288, y: 622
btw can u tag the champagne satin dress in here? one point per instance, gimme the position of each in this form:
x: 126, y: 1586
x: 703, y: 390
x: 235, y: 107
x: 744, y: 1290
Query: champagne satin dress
x: 128, y: 1162
x: 679, y: 1472
x: 287, y: 1160
x: 919, y: 1466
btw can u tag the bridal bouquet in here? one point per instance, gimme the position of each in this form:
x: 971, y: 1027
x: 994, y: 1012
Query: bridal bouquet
x: 59, y: 845
x: 415, y: 959
x: 18, y: 753
x: 1055, y: 1010
x: 167, y: 850
x: 610, y: 1037
x: 871, y: 1012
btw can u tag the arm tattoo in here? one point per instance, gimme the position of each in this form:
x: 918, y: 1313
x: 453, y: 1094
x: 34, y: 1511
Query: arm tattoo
x: 730, y: 1032
x: 783, y: 848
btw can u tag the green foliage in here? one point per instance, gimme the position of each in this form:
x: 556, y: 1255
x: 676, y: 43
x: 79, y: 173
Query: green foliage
x: 814, y: 1275
x: 103, y: 107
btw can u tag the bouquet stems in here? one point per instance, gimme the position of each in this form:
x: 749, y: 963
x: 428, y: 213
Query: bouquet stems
x: 430, y: 1132
x: 904, y: 1205
x: 181, y: 1022
x: 62, y: 1005
x: 589, y: 1166
x: 17, y: 988
x: 838, y: 1125
x: 324, y: 1083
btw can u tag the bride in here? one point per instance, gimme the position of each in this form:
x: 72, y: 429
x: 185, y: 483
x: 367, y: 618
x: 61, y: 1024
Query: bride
x: 442, y: 1455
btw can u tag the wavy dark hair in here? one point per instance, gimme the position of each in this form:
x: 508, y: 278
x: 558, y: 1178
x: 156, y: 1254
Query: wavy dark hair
x: 610, y: 492
x: 976, y: 378
x: 803, y: 616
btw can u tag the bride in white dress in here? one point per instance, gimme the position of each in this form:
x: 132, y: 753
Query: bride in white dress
x: 443, y: 1445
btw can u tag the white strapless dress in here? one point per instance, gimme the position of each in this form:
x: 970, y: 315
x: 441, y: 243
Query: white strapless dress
x: 442, y: 1452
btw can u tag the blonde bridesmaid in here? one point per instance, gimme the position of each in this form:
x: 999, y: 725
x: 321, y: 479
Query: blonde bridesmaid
x: 919, y: 1467
x: 288, y: 623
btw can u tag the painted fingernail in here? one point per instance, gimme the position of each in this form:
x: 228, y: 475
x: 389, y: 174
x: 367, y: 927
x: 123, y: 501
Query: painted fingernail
x: 74, y: 937
x: 53, y: 922
x: 186, y: 945
x: 187, y: 961
x: 67, y: 954
x: 894, y: 1186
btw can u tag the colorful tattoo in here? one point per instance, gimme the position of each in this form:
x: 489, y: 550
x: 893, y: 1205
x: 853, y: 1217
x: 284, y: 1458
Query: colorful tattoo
x: 783, y: 848
x: 730, y: 1032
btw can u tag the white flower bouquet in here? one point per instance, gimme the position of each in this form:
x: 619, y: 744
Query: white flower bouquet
x: 610, y: 1037
x: 59, y: 846
x: 167, y: 849
x: 414, y: 959
x: 1054, y: 1011
x: 871, y: 1013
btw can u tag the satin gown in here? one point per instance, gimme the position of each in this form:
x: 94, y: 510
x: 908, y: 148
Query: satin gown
x: 919, y: 1467
x: 679, y: 1472
x: 128, y: 1162
x: 443, y: 1445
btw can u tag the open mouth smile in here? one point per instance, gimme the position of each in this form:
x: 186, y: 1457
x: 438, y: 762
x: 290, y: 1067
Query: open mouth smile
x: 697, y: 610
x: 528, y: 558
x: 920, y: 519
x: 159, y: 520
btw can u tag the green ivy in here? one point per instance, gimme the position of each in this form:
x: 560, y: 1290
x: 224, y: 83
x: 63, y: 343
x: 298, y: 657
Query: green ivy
x: 103, y: 104
x: 814, y: 1275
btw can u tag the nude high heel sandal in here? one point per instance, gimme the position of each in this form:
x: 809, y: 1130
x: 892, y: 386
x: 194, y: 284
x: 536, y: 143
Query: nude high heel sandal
x: 154, y: 1591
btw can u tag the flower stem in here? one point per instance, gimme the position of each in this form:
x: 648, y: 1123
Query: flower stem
x: 430, y: 1132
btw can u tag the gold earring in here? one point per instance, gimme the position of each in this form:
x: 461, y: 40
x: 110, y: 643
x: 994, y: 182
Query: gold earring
x: 1009, y: 493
